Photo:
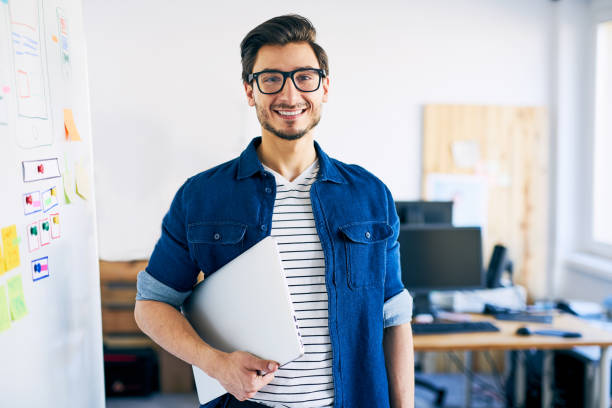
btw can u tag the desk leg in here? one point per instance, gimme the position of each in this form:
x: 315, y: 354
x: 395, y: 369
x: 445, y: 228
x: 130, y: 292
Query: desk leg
x: 469, y: 363
x: 520, y: 376
x: 547, y: 378
x: 604, y: 375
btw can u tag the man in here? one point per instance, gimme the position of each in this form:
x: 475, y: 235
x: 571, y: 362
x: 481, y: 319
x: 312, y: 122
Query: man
x: 336, y: 228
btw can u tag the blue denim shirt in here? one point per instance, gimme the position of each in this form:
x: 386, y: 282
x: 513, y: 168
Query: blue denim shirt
x: 218, y: 214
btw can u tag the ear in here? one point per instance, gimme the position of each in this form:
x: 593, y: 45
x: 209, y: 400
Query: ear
x: 248, y: 89
x: 325, y: 84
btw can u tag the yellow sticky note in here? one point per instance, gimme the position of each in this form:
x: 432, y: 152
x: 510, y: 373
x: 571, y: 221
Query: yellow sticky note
x: 5, y: 317
x: 83, y: 185
x: 11, y: 258
x: 70, y: 128
x: 16, y: 298
x: 2, y: 264
x: 10, y: 243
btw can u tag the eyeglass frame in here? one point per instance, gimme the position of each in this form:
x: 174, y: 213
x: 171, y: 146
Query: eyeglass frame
x: 286, y: 74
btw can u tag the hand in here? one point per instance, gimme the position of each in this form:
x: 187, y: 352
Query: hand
x: 239, y: 373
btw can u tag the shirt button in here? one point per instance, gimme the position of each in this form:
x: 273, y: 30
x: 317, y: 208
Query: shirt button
x: 262, y: 227
x: 268, y: 190
x: 368, y: 235
x: 217, y: 236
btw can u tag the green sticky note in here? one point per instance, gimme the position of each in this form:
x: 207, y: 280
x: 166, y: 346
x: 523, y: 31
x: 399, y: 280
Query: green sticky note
x: 5, y: 318
x: 66, y: 196
x: 16, y: 298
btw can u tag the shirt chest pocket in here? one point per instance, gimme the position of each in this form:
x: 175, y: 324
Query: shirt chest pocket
x: 215, y: 243
x: 365, y: 244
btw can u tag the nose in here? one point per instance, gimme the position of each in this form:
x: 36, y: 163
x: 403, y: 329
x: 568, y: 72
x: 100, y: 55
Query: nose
x: 290, y: 94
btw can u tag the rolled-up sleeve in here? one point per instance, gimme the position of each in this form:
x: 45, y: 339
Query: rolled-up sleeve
x: 397, y: 310
x: 149, y: 288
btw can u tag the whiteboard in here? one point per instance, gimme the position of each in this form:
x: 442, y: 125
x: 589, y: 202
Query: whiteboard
x: 50, y: 320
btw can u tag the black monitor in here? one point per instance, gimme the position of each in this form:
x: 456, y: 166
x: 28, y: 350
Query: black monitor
x: 425, y: 212
x: 440, y: 257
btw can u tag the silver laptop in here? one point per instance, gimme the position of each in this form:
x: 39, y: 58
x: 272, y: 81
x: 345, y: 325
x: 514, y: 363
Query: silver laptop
x: 245, y: 306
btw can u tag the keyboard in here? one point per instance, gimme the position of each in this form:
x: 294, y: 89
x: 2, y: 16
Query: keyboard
x: 450, y: 328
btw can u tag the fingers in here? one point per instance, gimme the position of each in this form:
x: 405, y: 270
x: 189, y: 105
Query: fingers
x: 256, y: 383
x: 265, y: 380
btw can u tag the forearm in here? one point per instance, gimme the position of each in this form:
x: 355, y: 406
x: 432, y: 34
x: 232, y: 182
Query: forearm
x: 170, y: 329
x: 399, y: 360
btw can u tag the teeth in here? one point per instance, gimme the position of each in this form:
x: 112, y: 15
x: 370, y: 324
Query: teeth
x: 289, y: 113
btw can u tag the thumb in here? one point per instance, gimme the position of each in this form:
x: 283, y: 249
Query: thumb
x: 260, y: 365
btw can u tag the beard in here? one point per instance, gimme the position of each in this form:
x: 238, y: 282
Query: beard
x: 264, y: 119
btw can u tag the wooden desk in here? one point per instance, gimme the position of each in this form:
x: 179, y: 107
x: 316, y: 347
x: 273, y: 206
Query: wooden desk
x: 507, y: 339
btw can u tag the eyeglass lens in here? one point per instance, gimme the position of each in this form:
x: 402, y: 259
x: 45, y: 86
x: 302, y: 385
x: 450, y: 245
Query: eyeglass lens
x: 305, y: 80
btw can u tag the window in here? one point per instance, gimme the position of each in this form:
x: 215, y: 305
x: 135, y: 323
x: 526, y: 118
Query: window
x: 601, y: 220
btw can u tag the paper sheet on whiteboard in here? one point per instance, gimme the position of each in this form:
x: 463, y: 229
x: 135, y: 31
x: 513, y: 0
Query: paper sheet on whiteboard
x: 468, y: 193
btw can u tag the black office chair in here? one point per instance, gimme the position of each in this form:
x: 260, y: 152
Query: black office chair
x: 422, y: 382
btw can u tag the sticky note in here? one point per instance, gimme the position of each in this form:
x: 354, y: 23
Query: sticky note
x: 16, y: 298
x: 2, y: 263
x: 54, y: 38
x: 5, y: 1
x: 72, y: 134
x: 83, y: 185
x: 10, y: 244
x: 68, y: 181
x: 5, y: 317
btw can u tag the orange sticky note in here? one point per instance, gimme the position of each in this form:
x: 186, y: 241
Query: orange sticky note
x: 70, y: 128
x: 54, y: 38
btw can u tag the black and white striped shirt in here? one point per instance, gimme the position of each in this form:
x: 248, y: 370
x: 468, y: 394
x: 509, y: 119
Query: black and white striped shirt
x: 307, y: 381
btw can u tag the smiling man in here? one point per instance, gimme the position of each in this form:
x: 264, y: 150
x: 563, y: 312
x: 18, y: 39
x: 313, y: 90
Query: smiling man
x: 336, y: 228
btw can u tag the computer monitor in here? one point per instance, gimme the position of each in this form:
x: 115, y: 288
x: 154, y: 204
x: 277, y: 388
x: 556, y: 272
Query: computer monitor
x: 425, y: 212
x: 440, y: 257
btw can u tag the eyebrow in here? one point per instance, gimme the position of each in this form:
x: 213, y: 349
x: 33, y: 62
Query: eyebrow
x: 276, y: 69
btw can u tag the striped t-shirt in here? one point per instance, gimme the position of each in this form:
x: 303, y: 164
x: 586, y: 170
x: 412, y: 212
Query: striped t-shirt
x: 307, y: 381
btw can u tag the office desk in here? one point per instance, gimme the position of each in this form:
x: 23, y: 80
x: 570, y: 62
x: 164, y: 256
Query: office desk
x: 507, y: 339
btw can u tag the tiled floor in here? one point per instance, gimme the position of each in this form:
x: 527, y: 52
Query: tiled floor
x: 483, y: 396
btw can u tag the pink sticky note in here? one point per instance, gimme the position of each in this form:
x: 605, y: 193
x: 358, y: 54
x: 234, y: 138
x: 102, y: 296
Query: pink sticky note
x: 6, y: 89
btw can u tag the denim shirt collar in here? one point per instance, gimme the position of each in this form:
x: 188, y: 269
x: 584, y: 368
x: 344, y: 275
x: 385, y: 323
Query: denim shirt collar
x: 249, y: 164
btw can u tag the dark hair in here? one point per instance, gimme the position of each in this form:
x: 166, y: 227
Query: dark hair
x: 280, y: 31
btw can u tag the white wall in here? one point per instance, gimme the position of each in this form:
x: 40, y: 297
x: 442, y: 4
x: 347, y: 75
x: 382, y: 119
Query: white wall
x: 167, y: 100
x: 576, y: 274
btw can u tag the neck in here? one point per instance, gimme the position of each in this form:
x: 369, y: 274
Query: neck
x: 289, y: 158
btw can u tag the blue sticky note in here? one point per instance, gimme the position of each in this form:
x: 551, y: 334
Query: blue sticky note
x: 4, y: 1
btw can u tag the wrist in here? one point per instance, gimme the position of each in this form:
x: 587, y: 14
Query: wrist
x: 211, y: 360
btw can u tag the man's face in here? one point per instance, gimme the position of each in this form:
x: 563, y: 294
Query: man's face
x: 289, y: 114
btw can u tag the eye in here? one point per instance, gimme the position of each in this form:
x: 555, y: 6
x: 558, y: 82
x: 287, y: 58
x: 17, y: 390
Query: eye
x: 271, y: 79
x: 304, y: 77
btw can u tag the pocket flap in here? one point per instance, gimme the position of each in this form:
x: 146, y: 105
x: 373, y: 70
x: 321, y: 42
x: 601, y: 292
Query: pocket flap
x: 215, y: 232
x: 367, y: 232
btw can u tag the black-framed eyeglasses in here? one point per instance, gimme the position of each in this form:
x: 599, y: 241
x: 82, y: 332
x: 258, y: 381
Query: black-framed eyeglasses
x: 271, y: 81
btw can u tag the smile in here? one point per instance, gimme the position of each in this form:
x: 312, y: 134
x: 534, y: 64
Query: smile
x: 290, y: 114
